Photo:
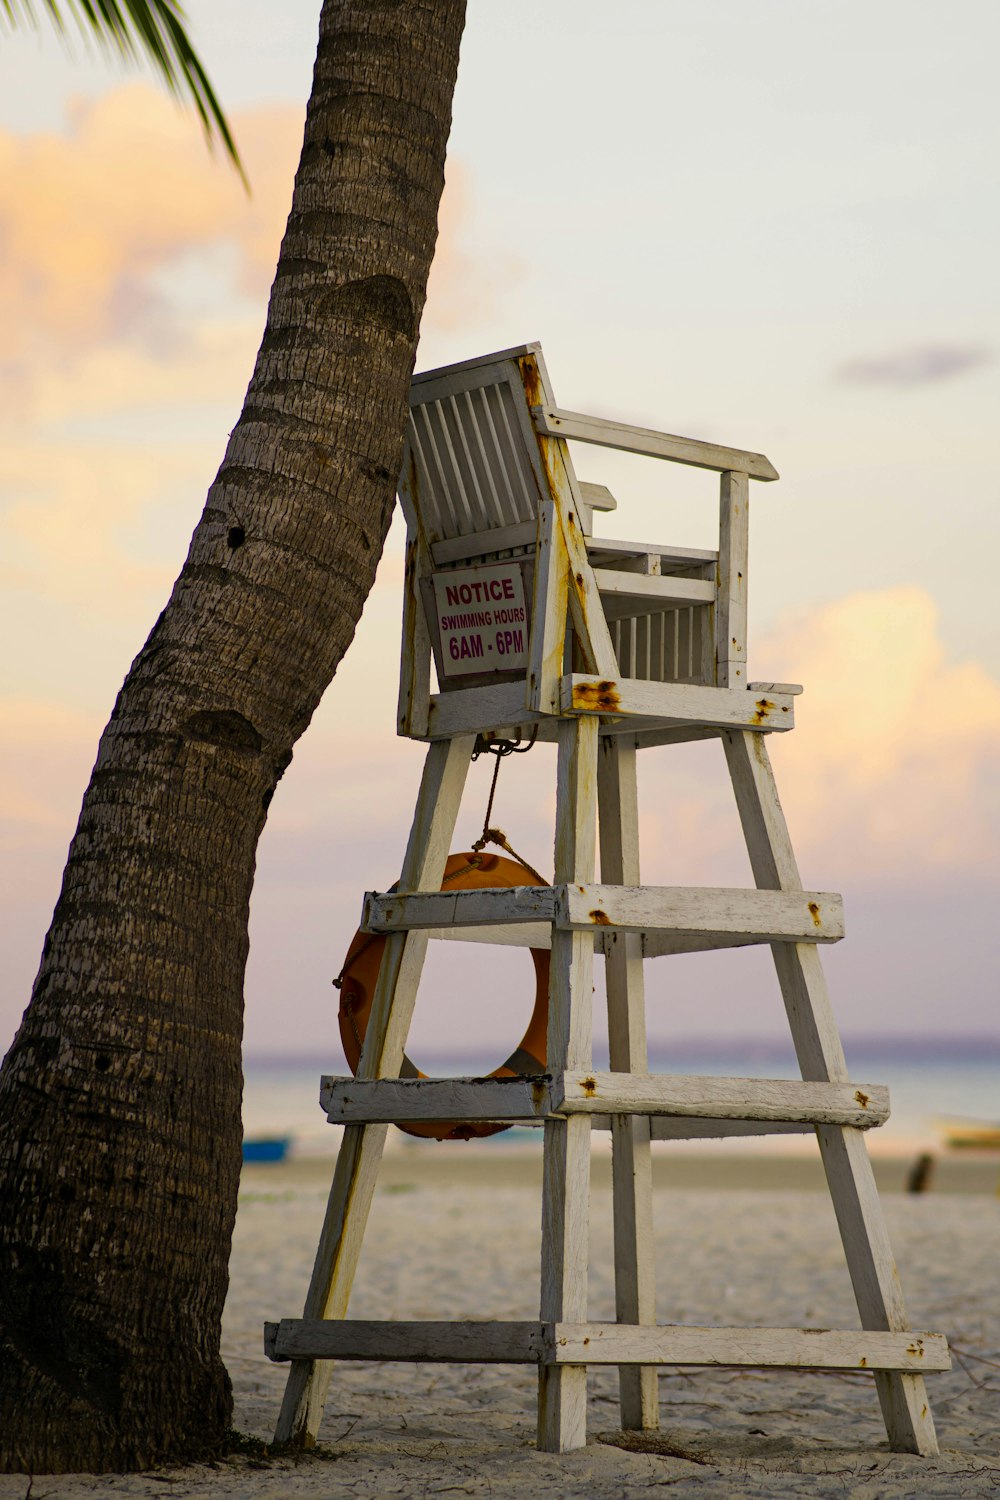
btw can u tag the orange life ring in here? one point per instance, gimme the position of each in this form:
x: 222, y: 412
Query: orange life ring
x: 462, y: 872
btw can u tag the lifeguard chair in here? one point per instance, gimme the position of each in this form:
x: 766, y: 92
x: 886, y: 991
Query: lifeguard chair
x: 537, y: 627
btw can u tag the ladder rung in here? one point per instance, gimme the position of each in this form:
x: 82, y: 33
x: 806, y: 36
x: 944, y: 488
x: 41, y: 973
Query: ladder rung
x: 682, y: 1096
x: 604, y: 1344
x: 798, y: 1348
x: 674, y: 916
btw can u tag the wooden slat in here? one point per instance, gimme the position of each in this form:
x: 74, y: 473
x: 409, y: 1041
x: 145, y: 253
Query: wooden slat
x: 731, y: 604
x: 445, y: 769
x: 860, y: 1105
x: 877, y: 1290
x: 631, y: 1161
x: 479, y: 543
x: 676, y: 703
x: 390, y: 1100
x: 563, y: 1343
x: 751, y: 916
x: 431, y: 1342
x: 574, y: 425
x: 670, y: 557
x: 684, y: 1128
x: 623, y: 592
x: 787, y: 1348
x: 549, y: 603
x: 396, y: 912
x: 739, y: 916
x: 562, y: 1393
x: 499, y: 706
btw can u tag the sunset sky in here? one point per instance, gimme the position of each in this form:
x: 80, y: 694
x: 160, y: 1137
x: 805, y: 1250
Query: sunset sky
x: 775, y: 225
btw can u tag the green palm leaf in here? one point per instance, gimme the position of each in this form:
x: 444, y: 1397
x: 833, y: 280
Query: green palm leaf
x: 132, y: 28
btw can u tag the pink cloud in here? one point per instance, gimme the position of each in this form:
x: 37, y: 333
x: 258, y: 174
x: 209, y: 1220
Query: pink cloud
x: 88, y: 218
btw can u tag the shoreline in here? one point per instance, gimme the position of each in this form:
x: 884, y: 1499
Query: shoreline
x: 709, y: 1168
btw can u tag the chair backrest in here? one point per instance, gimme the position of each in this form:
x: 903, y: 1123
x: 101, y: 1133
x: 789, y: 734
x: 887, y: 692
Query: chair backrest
x: 472, y: 463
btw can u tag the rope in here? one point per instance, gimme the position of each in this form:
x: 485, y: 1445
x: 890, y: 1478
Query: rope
x: 501, y: 749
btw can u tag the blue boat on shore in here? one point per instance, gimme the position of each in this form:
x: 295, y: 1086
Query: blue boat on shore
x: 266, y: 1148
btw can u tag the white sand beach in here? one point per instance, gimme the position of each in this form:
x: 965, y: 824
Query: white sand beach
x: 455, y: 1233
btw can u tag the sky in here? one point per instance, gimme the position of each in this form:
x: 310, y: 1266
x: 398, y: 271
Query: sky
x: 775, y: 226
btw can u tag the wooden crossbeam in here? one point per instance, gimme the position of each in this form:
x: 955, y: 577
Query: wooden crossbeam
x: 669, y: 703
x: 730, y: 914
x: 558, y: 1343
x: 574, y: 1092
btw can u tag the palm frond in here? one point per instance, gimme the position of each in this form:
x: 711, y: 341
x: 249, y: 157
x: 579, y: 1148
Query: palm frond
x: 153, y: 29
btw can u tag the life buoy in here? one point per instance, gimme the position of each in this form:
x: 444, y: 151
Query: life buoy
x: 462, y: 872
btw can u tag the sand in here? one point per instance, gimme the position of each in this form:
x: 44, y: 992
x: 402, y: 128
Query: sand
x: 455, y: 1233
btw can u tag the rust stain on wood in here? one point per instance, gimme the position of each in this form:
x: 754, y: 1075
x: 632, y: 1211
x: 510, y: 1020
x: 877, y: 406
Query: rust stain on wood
x: 763, y: 709
x: 861, y: 1098
x: 814, y: 912
x: 599, y: 918
x: 589, y: 1086
x: 599, y: 697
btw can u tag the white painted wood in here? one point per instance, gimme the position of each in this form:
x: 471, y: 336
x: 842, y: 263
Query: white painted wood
x: 391, y: 1100
x: 563, y: 1343
x: 351, y: 1192
x: 557, y: 422
x: 396, y: 912
x: 605, y: 550
x: 597, y: 496
x: 748, y: 915
x: 731, y: 603
x: 562, y: 1393
x: 549, y: 605
x: 593, y: 639
x: 735, y: 915
x: 676, y: 703
x: 629, y: 593
x: 792, y: 1348
x: 793, y: 689
x: 877, y: 1291
x: 683, y: 1128
x: 588, y: 1090
x: 515, y: 538
x: 491, y: 710
x: 632, y: 1187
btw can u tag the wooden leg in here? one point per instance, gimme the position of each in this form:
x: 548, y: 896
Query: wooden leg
x: 635, y: 1286
x: 358, y: 1161
x: 562, y: 1390
x: 905, y: 1407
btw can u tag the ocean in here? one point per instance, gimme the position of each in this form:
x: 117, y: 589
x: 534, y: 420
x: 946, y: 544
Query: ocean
x: 930, y: 1081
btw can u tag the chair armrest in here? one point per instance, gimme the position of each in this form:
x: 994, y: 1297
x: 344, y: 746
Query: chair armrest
x: 555, y: 422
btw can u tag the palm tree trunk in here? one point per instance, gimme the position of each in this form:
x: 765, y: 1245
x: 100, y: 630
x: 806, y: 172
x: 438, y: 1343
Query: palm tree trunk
x: 120, y: 1097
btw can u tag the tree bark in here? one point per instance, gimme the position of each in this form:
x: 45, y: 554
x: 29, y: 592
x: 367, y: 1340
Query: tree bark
x: 120, y: 1097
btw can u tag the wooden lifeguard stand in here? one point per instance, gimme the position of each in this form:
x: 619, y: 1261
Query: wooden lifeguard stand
x: 537, y: 627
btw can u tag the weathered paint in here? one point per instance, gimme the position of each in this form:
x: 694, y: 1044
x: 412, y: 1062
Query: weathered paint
x: 596, y: 697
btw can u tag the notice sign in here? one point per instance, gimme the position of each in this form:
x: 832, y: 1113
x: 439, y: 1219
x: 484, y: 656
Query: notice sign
x: 482, y: 621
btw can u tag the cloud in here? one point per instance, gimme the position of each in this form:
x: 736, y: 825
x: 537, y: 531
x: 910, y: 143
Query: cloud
x: 91, y: 218
x: 135, y: 269
x: 924, y: 364
x: 894, y: 764
x: 468, y: 280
